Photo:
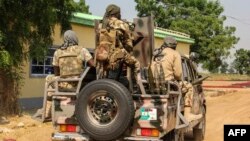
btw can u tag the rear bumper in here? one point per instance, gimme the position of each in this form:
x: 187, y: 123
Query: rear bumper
x: 66, y: 136
x: 142, y: 139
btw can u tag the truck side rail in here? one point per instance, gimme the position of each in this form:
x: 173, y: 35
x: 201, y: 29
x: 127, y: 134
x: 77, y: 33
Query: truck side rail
x: 79, y: 80
x: 59, y: 93
x: 181, y: 122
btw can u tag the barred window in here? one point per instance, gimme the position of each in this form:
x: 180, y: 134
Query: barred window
x: 43, y: 67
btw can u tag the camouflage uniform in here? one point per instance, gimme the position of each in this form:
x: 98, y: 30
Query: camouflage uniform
x: 70, y: 62
x: 69, y: 58
x: 116, y: 38
x: 124, y: 47
x: 187, y: 89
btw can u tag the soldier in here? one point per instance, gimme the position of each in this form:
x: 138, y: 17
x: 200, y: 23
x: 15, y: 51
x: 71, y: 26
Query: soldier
x: 68, y: 62
x: 123, y: 45
x: 170, y: 60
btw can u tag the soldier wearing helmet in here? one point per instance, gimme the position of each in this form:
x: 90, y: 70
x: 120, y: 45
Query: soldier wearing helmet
x: 124, y: 40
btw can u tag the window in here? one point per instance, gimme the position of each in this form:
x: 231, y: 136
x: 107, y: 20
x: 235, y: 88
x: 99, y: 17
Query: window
x: 44, y: 67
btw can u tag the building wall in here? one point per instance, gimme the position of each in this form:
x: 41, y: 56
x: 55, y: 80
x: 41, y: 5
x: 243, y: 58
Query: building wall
x: 85, y: 35
x: 33, y: 88
x: 183, y: 48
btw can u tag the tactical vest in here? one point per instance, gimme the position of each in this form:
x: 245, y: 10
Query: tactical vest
x: 69, y: 62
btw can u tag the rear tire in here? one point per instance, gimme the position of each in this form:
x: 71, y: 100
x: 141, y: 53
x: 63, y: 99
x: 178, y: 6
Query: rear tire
x: 104, y: 109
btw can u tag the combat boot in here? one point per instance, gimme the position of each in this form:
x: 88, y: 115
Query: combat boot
x: 190, y: 116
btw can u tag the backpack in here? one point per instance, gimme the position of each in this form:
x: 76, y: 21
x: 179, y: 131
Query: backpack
x: 105, y: 44
x: 158, y: 72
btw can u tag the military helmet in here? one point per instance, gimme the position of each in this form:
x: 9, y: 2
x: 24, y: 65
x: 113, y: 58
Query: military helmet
x: 112, y: 9
x: 170, y: 42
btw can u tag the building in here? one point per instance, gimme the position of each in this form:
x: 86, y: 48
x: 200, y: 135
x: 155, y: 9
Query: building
x: 83, y: 24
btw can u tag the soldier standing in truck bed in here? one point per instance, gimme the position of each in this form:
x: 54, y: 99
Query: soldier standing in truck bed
x: 122, y: 46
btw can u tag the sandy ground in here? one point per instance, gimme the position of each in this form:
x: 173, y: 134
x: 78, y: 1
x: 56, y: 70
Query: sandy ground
x: 232, y: 108
x: 26, y: 129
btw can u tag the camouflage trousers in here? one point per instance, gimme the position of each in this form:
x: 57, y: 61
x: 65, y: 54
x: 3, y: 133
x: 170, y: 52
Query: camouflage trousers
x: 187, y: 89
x: 61, y: 86
x: 122, y: 55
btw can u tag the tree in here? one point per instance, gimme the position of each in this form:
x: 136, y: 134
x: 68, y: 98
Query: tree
x: 242, y: 61
x: 224, y: 67
x: 201, y: 19
x: 231, y: 70
x: 80, y: 6
x: 25, y: 32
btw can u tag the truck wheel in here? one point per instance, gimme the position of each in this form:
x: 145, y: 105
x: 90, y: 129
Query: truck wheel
x: 104, y: 109
x: 199, y: 130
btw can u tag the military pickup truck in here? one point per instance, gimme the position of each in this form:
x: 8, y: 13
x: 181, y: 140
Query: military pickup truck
x: 111, y: 109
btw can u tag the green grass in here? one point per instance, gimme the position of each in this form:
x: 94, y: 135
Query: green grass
x: 227, y: 77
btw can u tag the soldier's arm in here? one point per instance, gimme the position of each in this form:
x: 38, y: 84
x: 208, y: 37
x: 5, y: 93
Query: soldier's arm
x: 55, y: 63
x: 127, y: 35
x: 177, y: 67
x: 86, y: 56
x: 129, y: 39
x: 91, y: 62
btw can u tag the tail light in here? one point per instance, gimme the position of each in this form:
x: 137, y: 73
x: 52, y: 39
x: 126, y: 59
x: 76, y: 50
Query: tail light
x: 67, y: 128
x: 151, y: 132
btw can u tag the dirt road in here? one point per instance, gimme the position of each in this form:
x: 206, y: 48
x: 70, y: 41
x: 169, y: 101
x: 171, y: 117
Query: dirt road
x: 231, y: 108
